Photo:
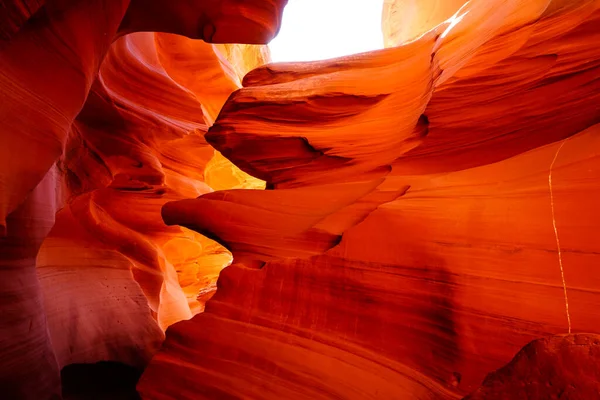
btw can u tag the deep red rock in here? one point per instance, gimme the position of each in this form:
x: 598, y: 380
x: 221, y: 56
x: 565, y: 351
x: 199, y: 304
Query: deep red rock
x: 86, y: 101
x: 430, y: 207
x: 480, y: 140
x: 558, y: 367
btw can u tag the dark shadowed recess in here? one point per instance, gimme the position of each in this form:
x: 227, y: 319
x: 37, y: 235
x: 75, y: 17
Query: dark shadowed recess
x: 106, y: 380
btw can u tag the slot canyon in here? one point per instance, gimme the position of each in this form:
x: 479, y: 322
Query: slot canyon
x: 182, y: 218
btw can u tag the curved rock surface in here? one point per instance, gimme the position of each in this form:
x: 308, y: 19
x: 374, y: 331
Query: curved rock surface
x: 81, y: 89
x: 125, y: 157
x: 28, y: 367
x: 46, y: 37
x: 559, y: 367
x: 430, y: 207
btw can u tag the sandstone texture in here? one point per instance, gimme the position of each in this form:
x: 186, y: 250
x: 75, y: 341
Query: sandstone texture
x: 389, y: 225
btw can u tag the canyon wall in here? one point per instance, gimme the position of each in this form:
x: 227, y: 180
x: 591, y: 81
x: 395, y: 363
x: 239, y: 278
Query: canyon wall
x: 101, y: 129
x: 430, y: 210
x: 392, y: 224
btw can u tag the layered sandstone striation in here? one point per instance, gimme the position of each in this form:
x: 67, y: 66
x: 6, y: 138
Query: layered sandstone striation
x: 430, y: 208
x: 104, y: 113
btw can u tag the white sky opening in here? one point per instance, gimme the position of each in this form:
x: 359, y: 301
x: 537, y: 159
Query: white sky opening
x: 321, y: 29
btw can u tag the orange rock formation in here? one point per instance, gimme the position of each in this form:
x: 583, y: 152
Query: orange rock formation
x: 123, y: 120
x: 408, y: 244
x: 430, y: 207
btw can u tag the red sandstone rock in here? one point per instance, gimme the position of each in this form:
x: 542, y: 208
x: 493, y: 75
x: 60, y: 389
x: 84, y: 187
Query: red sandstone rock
x: 126, y: 156
x: 559, y: 367
x: 28, y: 367
x: 408, y: 242
x: 129, y: 138
x: 448, y: 263
x: 48, y: 55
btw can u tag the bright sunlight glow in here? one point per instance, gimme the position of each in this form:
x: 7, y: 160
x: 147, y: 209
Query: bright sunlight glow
x: 320, y: 29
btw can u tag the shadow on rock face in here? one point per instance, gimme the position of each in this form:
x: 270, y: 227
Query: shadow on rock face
x: 105, y: 380
x: 565, y: 367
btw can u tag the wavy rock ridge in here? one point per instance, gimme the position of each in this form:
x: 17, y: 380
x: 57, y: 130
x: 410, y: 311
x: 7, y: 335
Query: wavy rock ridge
x: 407, y: 244
x: 123, y: 119
x: 430, y: 207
